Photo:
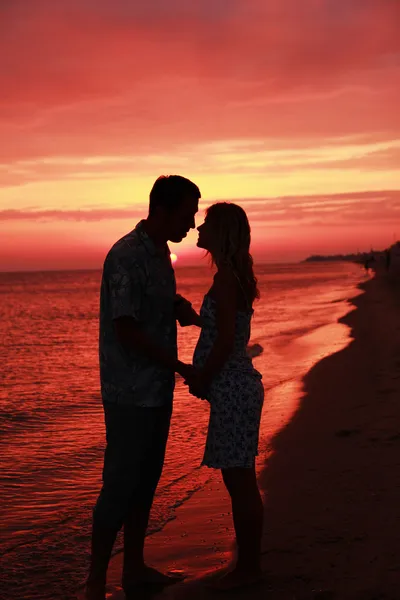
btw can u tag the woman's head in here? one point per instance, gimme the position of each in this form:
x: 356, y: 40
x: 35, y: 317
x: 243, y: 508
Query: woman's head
x: 225, y: 234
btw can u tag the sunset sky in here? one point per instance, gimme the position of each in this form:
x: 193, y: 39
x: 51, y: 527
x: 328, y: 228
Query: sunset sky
x: 288, y: 107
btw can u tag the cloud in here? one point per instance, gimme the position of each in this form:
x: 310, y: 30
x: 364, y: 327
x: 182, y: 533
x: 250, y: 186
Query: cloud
x: 247, y: 157
x: 88, y: 215
x: 76, y: 76
x: 380, y: 207
x: 246, y: 96
x: 340, y: 211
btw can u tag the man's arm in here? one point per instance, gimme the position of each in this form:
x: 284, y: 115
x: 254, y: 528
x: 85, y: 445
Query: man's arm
x: 126, y: 289
x: 131, y: 335
x: 185, y: 313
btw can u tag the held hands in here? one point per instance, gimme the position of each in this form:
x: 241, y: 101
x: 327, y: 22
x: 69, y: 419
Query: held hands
x: 195, y: 380
x: 187, y: 371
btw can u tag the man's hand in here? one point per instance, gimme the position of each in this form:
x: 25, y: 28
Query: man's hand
x: 185, y: 313
x: 187, y: 371
x: 198, y: 385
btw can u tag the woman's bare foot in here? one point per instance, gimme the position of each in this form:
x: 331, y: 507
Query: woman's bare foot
x: 237, y: 578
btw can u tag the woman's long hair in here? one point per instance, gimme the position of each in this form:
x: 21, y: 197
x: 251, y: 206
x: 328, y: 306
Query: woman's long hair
x: 231, y: 233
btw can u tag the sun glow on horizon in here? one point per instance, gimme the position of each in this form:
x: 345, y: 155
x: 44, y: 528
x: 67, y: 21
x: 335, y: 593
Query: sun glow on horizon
x: 174, y: 258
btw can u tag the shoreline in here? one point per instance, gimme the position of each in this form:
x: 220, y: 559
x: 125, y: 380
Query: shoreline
x: 334, y: 526
x: 330, y: 484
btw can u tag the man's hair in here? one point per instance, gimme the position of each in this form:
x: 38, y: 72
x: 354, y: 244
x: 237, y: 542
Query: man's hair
x: 169, y: 191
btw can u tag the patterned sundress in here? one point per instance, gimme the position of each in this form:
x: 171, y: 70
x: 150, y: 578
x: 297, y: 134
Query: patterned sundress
x: 235, y: 395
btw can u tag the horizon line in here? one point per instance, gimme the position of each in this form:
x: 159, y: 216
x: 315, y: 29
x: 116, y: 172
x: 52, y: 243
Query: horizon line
x: 91, y: 269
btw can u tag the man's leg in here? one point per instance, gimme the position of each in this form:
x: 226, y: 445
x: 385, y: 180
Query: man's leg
x: 155, y: 429
x: 114, y: 500
x: 102, y: 544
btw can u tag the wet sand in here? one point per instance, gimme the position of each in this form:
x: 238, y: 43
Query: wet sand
x: 331, y: 483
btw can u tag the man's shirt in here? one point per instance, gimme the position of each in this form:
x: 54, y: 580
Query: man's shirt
x: 139, y: 282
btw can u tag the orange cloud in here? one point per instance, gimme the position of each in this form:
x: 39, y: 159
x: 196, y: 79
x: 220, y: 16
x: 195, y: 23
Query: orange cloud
x: 88, y: 215
x: 284, y: 228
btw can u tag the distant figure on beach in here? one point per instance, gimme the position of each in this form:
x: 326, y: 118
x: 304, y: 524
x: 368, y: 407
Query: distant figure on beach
x: 225, y: 376
x: 367, y: 263
x: 138, y: 360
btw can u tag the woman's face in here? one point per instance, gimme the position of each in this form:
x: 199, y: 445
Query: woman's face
x: 206, y: 236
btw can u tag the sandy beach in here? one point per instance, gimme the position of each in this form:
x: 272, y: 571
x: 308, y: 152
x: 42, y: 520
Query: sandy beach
x: 331, y: 483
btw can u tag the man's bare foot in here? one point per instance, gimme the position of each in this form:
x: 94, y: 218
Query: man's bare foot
x: 95, y: 591
x: 149, y: 575
x: 237, y: 578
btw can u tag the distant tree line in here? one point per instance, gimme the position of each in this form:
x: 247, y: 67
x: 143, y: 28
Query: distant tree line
x: 359, y: 257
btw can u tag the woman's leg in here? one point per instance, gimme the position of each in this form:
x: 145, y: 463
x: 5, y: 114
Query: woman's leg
x: 247, y: 511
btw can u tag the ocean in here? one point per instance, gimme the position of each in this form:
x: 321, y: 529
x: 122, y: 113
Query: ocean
x: 51, y: 423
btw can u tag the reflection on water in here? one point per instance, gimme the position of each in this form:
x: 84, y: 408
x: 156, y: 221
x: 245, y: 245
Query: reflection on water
x: 51, y: 428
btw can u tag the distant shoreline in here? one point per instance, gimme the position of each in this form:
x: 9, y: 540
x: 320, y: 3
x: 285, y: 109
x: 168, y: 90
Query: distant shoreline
x: 358, y: 257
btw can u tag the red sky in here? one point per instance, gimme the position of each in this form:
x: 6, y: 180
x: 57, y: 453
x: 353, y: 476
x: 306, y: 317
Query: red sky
x: 288, y: 108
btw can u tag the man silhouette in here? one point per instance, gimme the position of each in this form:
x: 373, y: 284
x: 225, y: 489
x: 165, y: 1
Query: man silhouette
x: 138, y: 360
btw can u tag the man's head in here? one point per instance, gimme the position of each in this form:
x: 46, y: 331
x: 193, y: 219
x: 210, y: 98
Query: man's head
x: 174, y: 201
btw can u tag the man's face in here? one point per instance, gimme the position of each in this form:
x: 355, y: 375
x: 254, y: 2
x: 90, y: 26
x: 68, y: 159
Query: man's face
x: 182, y: 219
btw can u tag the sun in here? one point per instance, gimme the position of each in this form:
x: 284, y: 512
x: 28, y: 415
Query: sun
x: 174, y: 258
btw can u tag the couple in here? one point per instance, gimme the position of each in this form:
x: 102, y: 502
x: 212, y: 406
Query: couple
x: 139, y: 308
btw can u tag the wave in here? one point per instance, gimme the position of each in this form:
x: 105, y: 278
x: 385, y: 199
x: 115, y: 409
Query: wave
x: 15, y: 420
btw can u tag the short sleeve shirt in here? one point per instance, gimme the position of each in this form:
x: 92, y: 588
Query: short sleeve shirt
x: 139, y: 282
